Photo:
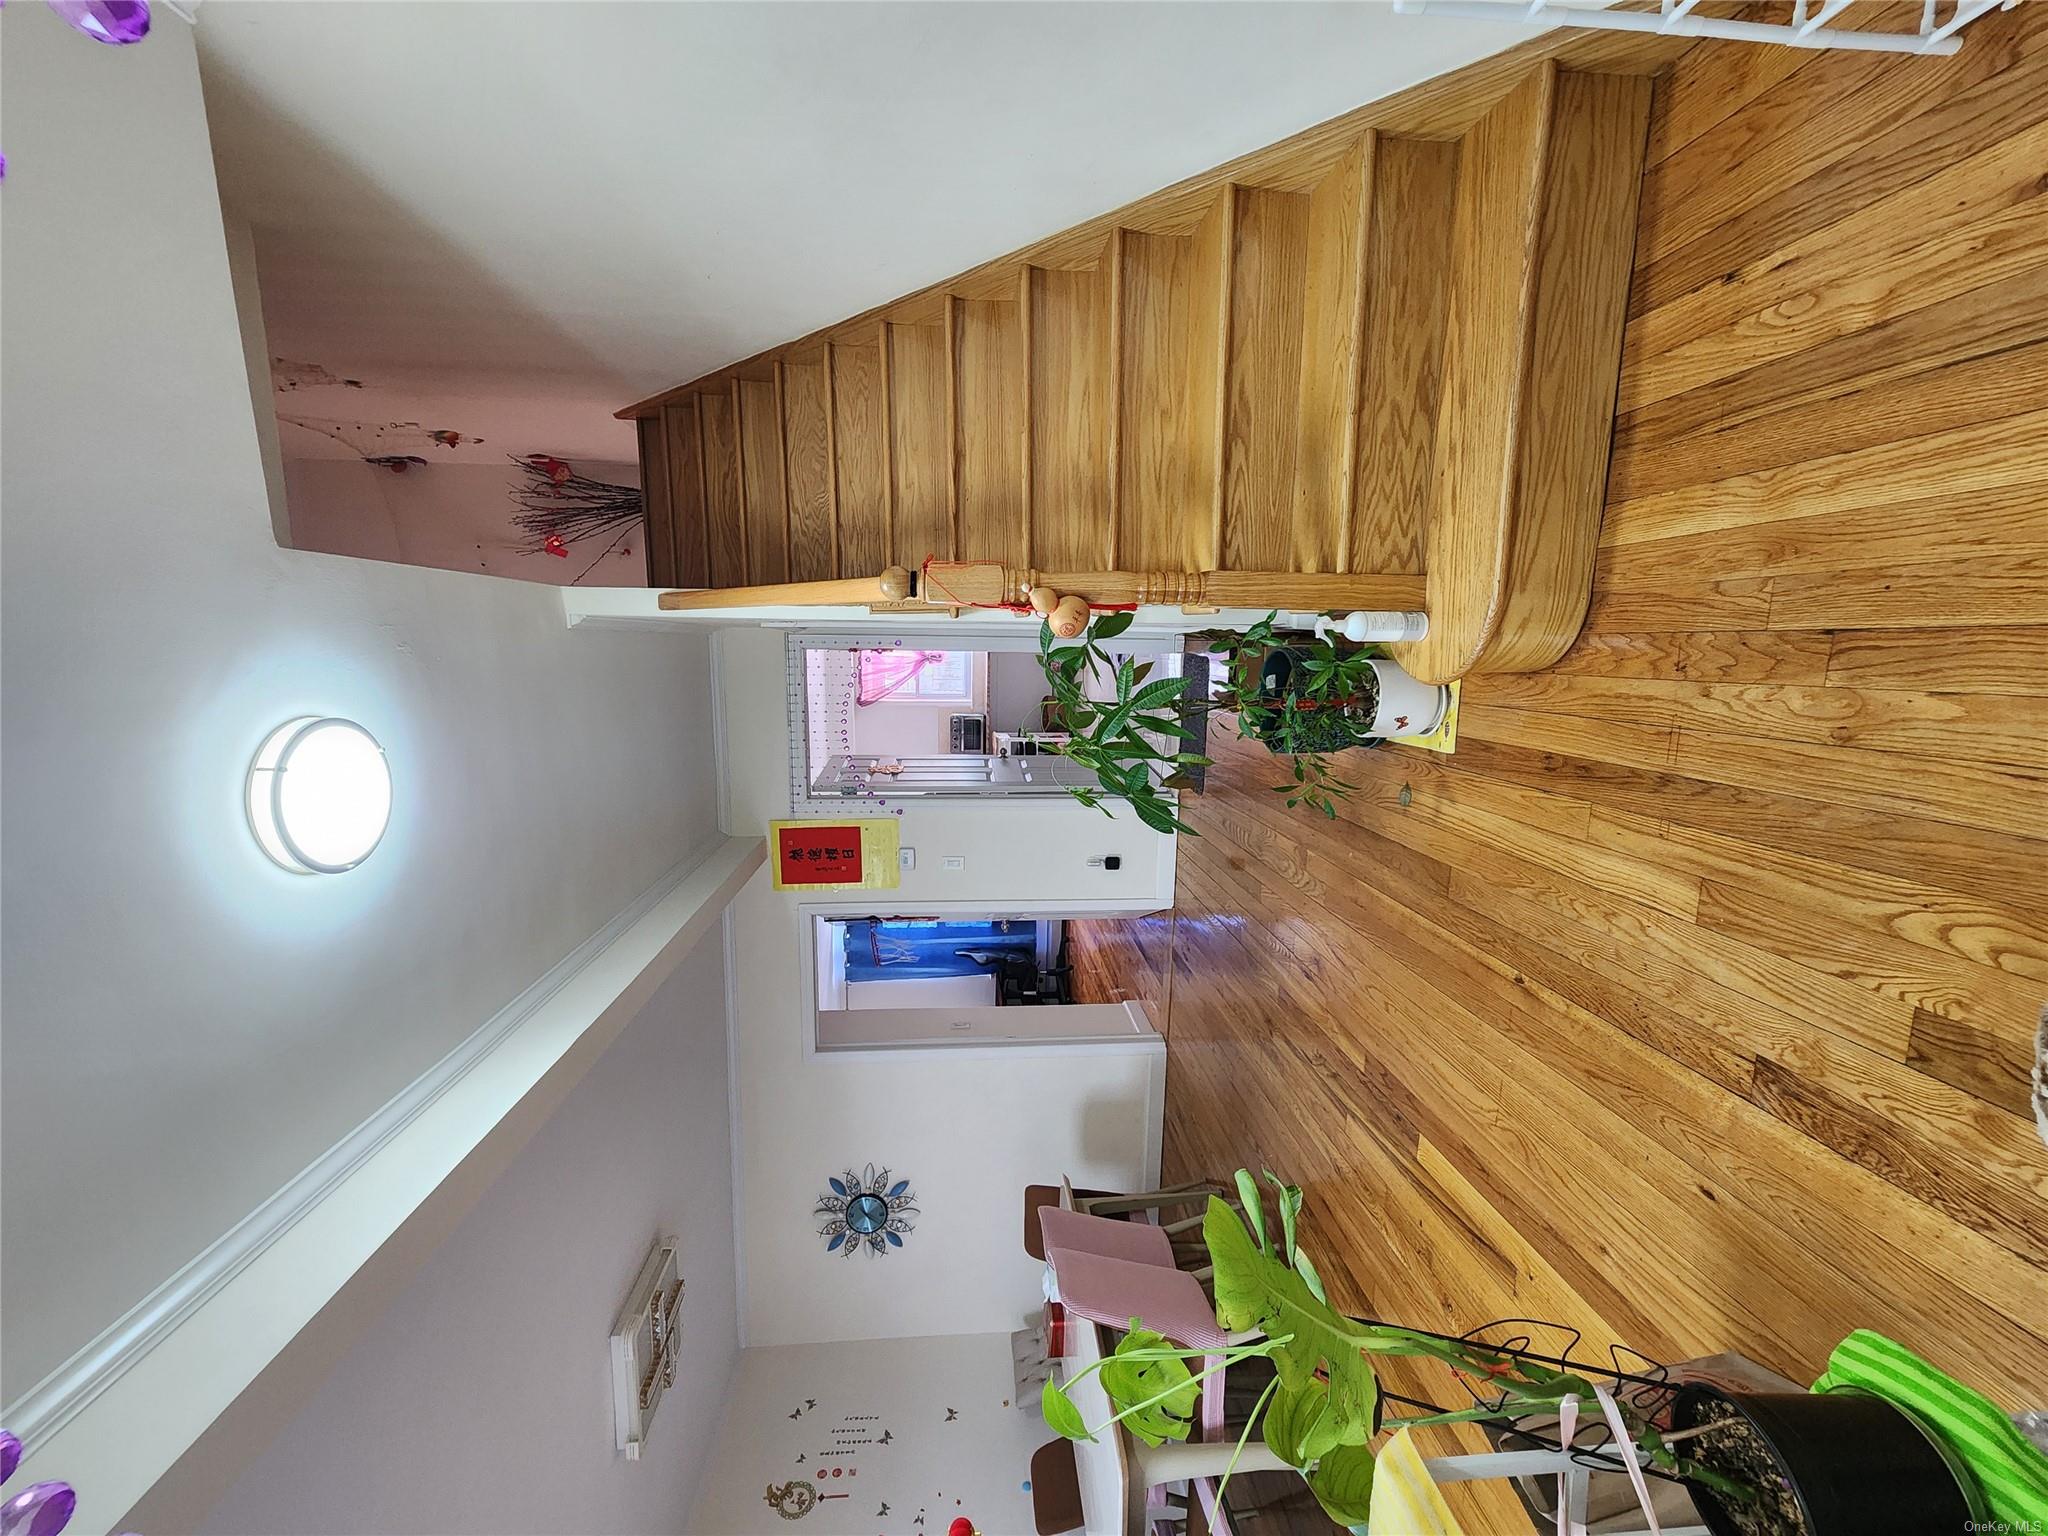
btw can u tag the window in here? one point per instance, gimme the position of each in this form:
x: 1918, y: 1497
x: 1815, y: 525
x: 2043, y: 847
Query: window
x: 935, y: 677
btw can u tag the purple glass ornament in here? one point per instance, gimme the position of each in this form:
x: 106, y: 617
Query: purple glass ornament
x: 40, y: 1509
x: 10, y: 1442
x: 107, y: 21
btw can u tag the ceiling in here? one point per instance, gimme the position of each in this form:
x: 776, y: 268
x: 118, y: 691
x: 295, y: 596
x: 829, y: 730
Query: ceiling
x: 508, y: 220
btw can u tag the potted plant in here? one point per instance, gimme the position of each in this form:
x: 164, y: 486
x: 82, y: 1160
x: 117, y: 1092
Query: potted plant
x: 1796, y: 1464
x: 1302, y: 700
x: 1839, y: 1463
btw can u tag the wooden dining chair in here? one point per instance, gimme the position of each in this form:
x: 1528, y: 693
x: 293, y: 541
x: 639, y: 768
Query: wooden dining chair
x: 1055, y: 1489
x: 1038, y: 1197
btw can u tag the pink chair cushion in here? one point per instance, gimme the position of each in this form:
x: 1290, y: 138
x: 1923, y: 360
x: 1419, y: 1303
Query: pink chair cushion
x: 1114, y: 1290
x: 1138, y: 1241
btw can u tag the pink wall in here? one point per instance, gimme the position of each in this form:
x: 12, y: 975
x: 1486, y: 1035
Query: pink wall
x: 456, y: 516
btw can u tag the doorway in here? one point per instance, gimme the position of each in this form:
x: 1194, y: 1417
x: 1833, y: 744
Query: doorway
x: 910, y: 720
x: 893, y: 982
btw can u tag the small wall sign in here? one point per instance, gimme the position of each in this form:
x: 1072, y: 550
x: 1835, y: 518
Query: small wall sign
x: 644, y: 1346
x: 856, y: 854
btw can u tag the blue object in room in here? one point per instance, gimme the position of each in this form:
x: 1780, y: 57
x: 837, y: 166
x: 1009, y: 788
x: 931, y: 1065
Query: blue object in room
x: 899, y: 951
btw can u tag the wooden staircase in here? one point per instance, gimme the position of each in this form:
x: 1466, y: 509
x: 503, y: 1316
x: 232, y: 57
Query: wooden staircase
x: 1364, y: 350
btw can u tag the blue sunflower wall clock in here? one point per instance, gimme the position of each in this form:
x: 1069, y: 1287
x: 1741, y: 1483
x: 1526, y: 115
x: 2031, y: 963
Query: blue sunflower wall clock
x: 866, y: 1211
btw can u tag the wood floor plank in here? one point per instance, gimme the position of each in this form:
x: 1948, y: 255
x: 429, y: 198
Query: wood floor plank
x: 1968, y: 794
x: 1531, y: 1045
x: 2004, y: 248
x: 1999, y: 730
x: 1672, y: 601
x: 1949, y: 659
x: 1963, y: 859
x: 1938, y: 594
x: 2009, y: 932
x: 2003, y: 521
x: 1987, y: 457
x: 1926, y: 979
x: 1537, y: 1289
x: 1974, y: 323
x: 2008, y: 382
x: 1705, y: 656
x: 1742, y: 993
x: 1994, y: 1066
x: 1947, y: 1148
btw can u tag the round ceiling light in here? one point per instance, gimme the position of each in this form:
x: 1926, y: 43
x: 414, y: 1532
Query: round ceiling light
x: 319, y: 795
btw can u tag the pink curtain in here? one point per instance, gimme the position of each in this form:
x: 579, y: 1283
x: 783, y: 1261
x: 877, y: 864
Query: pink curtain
x: 883, y: 672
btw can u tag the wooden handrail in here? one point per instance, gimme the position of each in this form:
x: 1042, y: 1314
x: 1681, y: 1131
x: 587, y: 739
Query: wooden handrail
x: 892, y: 586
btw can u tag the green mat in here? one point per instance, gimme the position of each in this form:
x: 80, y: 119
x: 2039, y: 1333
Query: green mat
x: 2011, y: 1472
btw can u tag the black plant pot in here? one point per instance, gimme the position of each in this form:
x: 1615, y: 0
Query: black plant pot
x: 1327, y: 728
x: 1856, y: 1465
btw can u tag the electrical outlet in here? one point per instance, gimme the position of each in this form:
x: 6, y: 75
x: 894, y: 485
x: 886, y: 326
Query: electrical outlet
x: 906, y: 858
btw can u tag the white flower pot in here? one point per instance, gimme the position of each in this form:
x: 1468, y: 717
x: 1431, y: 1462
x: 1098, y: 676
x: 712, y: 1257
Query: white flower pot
x: 1407, y: 707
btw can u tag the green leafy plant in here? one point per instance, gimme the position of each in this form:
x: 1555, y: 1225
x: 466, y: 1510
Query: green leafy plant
x: 1321, y: 1410
x: 1110, y: 738
x: 1326, y: 707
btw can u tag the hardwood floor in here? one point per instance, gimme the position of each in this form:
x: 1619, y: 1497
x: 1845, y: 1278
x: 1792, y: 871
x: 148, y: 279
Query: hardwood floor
x: 1690, y: 1002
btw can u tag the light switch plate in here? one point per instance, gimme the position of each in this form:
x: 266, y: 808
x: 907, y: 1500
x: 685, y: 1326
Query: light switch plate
x: 952, y: 861
x: 906, y: 858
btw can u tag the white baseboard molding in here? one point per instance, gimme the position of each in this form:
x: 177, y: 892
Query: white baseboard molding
x: 117, y: 1415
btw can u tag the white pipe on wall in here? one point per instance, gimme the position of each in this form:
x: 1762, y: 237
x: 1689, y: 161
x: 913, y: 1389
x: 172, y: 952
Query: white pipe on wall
x: 1683, y: 24
x: 1386, y: 625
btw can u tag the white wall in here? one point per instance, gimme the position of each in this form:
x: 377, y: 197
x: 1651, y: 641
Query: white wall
x: 186, y: 1027
x: 969, y: 1130
x: 924, y: 992
x: 1016, y: 686
x: 974, y: 1465
x: 481, y: 1401
x: 972, y: 1025
x: 456, y: 516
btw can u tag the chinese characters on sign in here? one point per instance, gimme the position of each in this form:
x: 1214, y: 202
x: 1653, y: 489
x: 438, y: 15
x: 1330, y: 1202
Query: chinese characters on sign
x: 826, y: 855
